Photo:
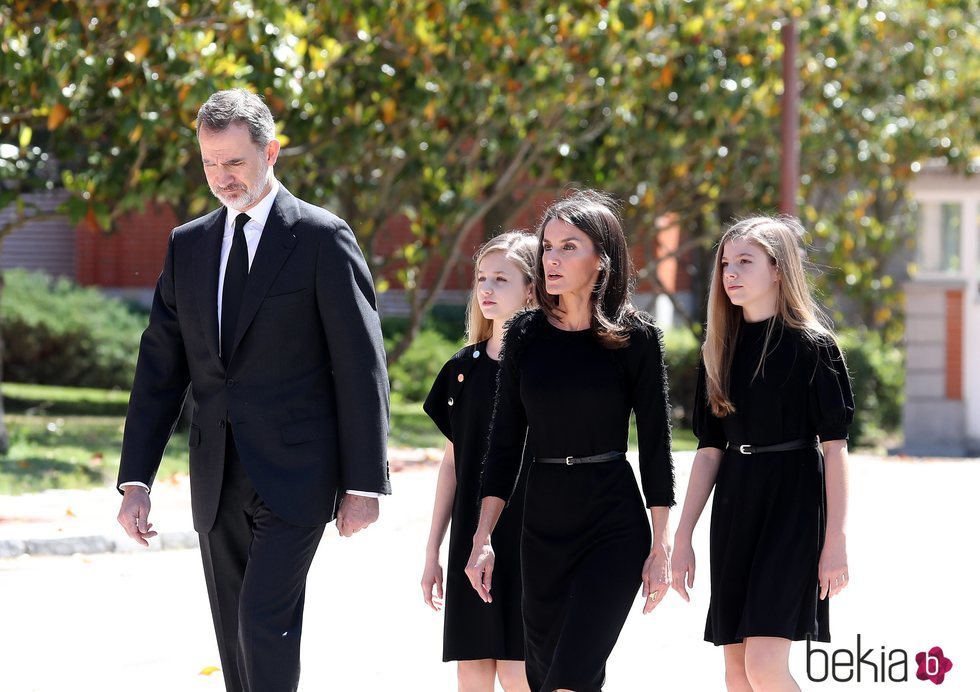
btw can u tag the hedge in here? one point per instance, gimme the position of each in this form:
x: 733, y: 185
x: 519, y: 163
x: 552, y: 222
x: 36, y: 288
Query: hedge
x: 56, y: 332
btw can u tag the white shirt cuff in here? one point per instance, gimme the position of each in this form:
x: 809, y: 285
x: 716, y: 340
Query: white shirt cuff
x: 142, y: 485
x: 363, y: 493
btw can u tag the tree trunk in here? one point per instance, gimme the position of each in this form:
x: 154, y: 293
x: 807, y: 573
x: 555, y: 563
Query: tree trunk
x: 4, y: 436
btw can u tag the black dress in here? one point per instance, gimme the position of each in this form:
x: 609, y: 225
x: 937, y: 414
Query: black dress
x: 768, y: 517
x: 586, y: 532
x: 460, y: 403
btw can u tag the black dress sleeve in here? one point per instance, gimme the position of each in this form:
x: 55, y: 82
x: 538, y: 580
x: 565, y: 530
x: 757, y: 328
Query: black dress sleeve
x: 508, y: 428
x: 831, y: 398
x: 652, y: 409
x: 437, y: 405
x: 708, y: 428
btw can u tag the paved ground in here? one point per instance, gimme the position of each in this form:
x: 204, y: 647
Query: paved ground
x: 120, y: 621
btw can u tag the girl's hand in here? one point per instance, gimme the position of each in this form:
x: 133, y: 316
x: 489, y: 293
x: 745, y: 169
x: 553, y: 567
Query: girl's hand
x: 656, y: 576
x: 479, y: 568
x: 832, y: 569
x: 682, y: 567
x: 432, y: 592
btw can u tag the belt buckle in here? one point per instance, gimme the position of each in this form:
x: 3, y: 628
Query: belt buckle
x: 568, y: 461
x: 742, y: 449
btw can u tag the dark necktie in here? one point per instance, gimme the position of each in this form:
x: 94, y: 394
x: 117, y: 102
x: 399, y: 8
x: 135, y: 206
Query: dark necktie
x: 236, y: 272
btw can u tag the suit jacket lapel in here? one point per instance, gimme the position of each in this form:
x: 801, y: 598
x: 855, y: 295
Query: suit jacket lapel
x: 207, y: 256
x: 275, y: 246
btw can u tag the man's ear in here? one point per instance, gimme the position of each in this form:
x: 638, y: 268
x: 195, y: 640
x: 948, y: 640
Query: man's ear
x: 272, y: 151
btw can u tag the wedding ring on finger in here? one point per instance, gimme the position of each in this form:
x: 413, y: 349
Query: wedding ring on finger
x: 653, y: 595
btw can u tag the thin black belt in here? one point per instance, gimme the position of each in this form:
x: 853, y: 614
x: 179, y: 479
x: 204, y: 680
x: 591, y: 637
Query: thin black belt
x: 594, y: 459
x: 781, y: 447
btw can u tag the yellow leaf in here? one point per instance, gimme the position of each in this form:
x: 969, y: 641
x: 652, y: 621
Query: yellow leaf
x: 69, y: 512
x: 388, y: 111
x: 57, y: 116
x: 693, y: 26
x: 648, y: 20
x: 666, y: 76
x: 209, y: 670
x: 430, y: 110
x: 135, y: 134
x: 141, y: 48
x: 25, y: 136
x: 197, y: 205
x: 744, y: 59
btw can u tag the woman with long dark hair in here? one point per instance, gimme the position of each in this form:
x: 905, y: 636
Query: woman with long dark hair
x: 571, y: 373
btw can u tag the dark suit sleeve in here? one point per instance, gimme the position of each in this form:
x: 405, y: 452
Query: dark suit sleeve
x: 348, y: 310
x: 159, y: 386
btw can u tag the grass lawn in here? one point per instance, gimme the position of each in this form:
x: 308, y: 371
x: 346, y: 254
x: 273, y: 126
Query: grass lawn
x: 71, y: 452
x: 53, y: 445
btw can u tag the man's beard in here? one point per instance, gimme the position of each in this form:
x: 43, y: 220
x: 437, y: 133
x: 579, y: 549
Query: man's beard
x: 247, y: 195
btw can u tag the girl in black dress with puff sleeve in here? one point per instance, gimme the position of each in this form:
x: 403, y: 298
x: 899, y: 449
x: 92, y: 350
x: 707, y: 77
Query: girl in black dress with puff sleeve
x: 487, y: 642
x: 772, y: 387
x: 571, y: 374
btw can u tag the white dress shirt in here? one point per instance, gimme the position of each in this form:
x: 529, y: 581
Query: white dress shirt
x: 258, y: 216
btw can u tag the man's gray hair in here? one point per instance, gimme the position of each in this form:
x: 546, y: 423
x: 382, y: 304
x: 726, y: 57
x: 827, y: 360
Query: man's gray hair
x: 233, y: 106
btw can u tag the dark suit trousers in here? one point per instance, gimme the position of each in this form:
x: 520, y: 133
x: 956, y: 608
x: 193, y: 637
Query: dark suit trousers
x: 255, y: 565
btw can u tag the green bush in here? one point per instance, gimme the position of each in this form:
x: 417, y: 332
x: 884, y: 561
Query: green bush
x: 56, y: 332
x: 412, y: 376
x: 878, y: 379
x: 877, y: 372
x: 681, y: 352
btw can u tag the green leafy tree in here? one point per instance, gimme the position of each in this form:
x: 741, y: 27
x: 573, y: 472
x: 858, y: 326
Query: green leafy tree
x: 452, y: 116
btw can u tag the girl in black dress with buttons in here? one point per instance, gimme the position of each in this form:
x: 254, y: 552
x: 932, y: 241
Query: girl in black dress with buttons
x: 486, y: 641
x: 570, y: 376
x: 771, y: 383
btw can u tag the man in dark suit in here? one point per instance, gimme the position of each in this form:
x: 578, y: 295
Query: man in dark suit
x: 266, y: 310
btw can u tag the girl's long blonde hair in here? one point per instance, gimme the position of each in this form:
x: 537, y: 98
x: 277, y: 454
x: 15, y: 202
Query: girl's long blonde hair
x: 782, y: 238
x: 518, y: 247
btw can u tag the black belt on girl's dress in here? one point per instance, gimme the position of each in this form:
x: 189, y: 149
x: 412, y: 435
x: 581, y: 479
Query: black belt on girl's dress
x: 781, y: 447
x: 573, y: 461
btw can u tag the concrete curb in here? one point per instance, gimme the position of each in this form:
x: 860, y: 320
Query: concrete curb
x: 90, y: 545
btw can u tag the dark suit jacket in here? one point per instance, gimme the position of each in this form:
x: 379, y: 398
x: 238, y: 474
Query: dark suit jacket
x: 306, y: 388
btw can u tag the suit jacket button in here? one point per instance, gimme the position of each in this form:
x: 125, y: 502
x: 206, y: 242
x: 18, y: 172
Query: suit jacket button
x: 229, y: 383
x: 476, y: 354
x: 460, y: 377
x: 450, y: 401
x: 221, y: 424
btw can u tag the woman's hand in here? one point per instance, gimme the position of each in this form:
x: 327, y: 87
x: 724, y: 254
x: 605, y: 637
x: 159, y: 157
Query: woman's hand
x: 656, y: 576
x: 479, y: 568
x: 832, y: 569
x: 432, y: 592
x: 682, y: 566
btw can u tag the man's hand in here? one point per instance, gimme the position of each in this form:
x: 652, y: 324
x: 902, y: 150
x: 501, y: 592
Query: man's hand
x: 356, y: 512
x: 135, y: 513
